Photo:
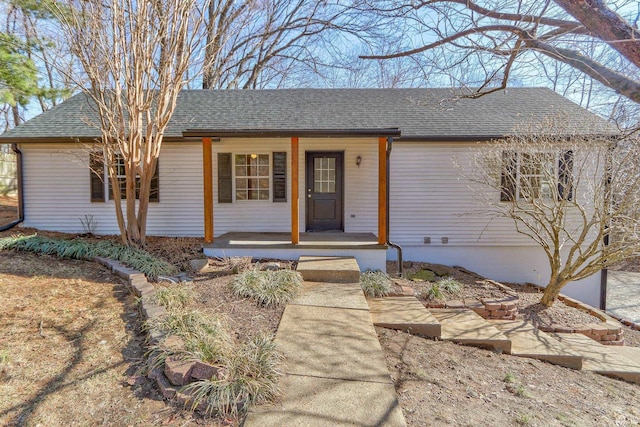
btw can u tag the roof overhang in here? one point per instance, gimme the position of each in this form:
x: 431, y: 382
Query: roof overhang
x: 286, y: 133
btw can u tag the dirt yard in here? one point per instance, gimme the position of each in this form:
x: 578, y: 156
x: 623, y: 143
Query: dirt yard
x: 444, y: 384
x: 71, y: 346
x: 8, y: 209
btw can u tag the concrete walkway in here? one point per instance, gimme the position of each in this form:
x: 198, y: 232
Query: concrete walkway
x: 335, y: 372
x: 623, y: 294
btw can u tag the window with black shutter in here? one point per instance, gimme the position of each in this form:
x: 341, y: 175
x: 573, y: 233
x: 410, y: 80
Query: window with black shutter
x: 279, y: 179
x: 96, y: 179
x: 154, y: 194
x: 225, y: 178
x: 534, y: 175
x: 565, y: 176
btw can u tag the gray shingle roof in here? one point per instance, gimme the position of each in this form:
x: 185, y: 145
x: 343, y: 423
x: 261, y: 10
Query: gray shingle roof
x: 418, y: 113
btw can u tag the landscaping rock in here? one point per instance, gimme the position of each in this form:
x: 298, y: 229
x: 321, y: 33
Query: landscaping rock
x: 167, y: 390
x: 426, y: 275
x: 272, y: 266
x: 204, y: 371
x: 173, y: 343
x: 441, y: 270
x: 177, y: 371
x: 187, y: 401
x: 199, y: 265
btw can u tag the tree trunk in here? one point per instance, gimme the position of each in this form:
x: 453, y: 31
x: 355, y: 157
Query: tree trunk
x: 552, y: 291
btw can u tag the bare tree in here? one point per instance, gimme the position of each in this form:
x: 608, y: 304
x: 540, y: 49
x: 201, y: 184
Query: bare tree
x: 501, y: 36
x: 254, y: 44
x: 134, y: 55
x: 567, y: 190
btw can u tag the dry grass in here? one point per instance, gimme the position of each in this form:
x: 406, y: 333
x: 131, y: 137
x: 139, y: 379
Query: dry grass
x: 69, y: 347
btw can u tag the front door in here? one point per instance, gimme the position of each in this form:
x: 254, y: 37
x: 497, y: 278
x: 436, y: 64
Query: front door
x: 324, y: 191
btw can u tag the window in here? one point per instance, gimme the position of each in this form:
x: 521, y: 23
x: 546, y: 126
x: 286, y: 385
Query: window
x: 98, y: 174
x: 252, y: 176
x: 536, y: 175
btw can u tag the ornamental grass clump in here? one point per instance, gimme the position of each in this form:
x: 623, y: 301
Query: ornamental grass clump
x: 450, y: 285
x: 251, y: 375
x: 248, y: 370
x: 135, y: 258
x: 269, y: 287
x: 375, y: 284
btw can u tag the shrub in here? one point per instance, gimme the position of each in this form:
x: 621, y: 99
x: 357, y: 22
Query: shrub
x: 269, y: 287
x: 138, y: 259
x: 174, y: 297
x: 450, y: 285
x: 435, y: 292
x: 375, y: 283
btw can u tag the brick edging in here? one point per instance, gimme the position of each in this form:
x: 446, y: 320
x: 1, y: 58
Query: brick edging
x: 176, y: 372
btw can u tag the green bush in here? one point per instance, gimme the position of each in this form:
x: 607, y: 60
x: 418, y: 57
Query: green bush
x: 138, y: 259
x: 269, y: 287
x: 375, y: 284
x: 435, y: 292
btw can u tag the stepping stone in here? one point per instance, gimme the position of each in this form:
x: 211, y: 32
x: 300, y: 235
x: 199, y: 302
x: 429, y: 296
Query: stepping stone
x: 318, y: 402
x: 603, y: 359
x: 527, y: 341
x: 403, y: 313
x: 337, y: 295
x: 329, y: 269
x: 464, y: 326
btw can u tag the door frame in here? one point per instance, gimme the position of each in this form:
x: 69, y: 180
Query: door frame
x: 340, y: 172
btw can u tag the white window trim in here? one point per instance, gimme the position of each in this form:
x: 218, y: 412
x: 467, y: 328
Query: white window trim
x: 519, y: 175
x: 270, y: 176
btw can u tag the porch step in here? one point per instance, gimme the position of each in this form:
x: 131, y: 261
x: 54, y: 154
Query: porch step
x: 464, y: 326
x: 527, y: 341
x: 404, y: 313
x: 603, y: 359
x: 329, y: 269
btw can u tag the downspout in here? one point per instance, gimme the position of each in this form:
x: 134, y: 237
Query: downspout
x: 16, y: 150
x: 389, y: 242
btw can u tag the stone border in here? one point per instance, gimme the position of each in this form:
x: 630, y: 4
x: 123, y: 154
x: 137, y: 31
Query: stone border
x: 177, y: 372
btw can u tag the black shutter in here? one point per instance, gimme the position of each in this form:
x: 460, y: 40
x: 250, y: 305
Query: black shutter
x: 225, y: 177
x: 96, y: 166
x: 154, y: 193
x: 508, y: 176
x: 280, y: 177
x: 565, y: 176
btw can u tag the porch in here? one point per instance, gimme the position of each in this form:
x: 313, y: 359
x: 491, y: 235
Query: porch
x: 370, y: 254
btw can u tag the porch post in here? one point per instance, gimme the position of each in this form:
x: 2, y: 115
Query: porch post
x: 382, y: 190
x: 207, y: 172
x: 295, y: 197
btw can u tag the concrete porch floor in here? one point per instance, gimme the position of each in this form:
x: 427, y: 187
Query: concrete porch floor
x: 319, y: 240
x: 363, y: 247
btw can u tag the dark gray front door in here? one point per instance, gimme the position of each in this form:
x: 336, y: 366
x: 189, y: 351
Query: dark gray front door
x: 324, y: 191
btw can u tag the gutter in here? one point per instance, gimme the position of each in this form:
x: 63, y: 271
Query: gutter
x: 397, y: 247
x: 5, y: 227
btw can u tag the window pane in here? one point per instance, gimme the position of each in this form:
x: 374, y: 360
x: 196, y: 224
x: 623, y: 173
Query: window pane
x: 263, y: 159
x: 241, y: 183
x: 241, y: 159
x: 264, y: 170
x: 252, y: 183
x: 241, y: 195
x: 264, y: 183
x: 264, y: 195
x: 253, y: 194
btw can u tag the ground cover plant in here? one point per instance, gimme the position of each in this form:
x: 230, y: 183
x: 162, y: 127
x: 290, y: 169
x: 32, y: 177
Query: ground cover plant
x: 267, y: 287
x: 248, y: 369
x: 375, y: 284
x: 79, y: 248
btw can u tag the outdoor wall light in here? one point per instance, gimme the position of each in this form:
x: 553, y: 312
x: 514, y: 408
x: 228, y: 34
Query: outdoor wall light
x: 358, y: 161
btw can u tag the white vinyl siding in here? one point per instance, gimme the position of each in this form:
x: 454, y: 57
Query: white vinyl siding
x: 430, y: 197
x: 56, y: 191
x: 360, y: 186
